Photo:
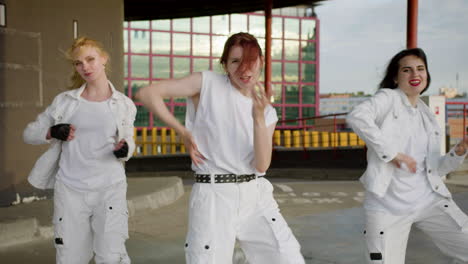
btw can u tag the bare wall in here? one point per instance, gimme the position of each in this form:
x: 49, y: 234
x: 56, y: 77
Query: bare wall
x: 33, y: 70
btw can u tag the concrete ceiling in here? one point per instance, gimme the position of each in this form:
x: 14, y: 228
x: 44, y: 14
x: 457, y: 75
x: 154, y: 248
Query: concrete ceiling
x: 166, y: 9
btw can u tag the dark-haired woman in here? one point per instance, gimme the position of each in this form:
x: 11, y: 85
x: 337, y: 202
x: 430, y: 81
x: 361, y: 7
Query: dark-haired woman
x: 228, y: 133
x: 403, y: 179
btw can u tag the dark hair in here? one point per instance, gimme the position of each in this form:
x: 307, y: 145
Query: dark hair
x: 250, y: 46
x: 394, y: 65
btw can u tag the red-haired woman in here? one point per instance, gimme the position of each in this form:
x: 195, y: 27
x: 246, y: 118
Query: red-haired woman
x: 228, y: 133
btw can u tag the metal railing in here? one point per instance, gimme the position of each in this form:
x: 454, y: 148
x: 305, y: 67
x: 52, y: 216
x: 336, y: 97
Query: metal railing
x: 317, y: 135
x: 164, y: 141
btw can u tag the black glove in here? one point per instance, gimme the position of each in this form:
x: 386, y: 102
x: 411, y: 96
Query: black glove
x: 60, y: 131
x: 122, y: 151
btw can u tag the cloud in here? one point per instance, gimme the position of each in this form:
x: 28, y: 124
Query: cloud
x: 358, y: 37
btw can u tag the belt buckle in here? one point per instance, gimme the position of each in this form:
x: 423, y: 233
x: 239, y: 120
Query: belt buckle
x: 238, y: 178
x: 244, y: 178
x: 248, y: 178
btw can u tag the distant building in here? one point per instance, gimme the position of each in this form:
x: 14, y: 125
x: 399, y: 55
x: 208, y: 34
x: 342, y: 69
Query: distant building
x: 336, y: 95
x: 336, y: 103
x: 450, y: 92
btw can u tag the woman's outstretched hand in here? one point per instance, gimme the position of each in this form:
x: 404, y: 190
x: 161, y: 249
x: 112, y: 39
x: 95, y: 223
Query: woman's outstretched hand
x: 461, y: 147
x: 401, y: 159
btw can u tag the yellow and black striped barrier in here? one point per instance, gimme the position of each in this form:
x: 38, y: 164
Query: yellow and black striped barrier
x: 162, y: 141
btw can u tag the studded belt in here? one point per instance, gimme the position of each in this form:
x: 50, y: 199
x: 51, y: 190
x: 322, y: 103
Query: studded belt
x: 225, y: 178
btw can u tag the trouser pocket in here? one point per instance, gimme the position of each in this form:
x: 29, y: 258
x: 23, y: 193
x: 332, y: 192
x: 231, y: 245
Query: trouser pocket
x: 375, y: 245
x: 199, y: 248
x: 109, y: 241
x: 60, y: 239
x: 453, y: 211
x: 67, y: 245
x: 199, y: 245
x: 283, y: 235
x: 116, y: 232
x: 60, y: 220
x: 116, y: 219
x: 111, y: 227
x: 287, y: 249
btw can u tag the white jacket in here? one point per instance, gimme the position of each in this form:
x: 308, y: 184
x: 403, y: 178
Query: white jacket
x: 382, y: 122
x: 43, y: 174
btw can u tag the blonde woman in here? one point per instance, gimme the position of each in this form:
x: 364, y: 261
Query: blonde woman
x: 90, y: 132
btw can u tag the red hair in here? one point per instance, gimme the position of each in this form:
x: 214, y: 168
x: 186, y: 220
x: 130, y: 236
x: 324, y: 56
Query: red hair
x: 251, y: 50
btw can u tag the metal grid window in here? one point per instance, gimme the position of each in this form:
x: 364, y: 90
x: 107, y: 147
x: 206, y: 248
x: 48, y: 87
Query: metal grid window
x: 173, y: 48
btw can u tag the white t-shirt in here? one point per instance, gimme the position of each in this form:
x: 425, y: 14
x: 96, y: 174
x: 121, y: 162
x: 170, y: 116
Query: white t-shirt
x: 222, y: 127
x: 407, y: 191
x: 87, y: 162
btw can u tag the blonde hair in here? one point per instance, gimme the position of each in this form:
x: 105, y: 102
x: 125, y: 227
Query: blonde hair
x: 76, y: 80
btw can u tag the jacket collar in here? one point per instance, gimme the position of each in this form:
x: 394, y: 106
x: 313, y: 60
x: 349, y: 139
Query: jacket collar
x: 420, y: 104
x: 404, y: 98
x: 76, y: 93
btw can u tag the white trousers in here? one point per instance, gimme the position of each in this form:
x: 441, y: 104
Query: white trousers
x: 87, y: 222
x: 386, y: 235
x: 220, y: 213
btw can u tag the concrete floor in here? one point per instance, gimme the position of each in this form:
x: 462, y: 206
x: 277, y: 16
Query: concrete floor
x: 326, y: 217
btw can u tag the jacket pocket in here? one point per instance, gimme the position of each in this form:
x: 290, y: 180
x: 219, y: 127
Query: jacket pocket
x: 58, y: 113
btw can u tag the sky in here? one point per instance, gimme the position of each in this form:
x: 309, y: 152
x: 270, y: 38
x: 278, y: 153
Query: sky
x: 359, y: 37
